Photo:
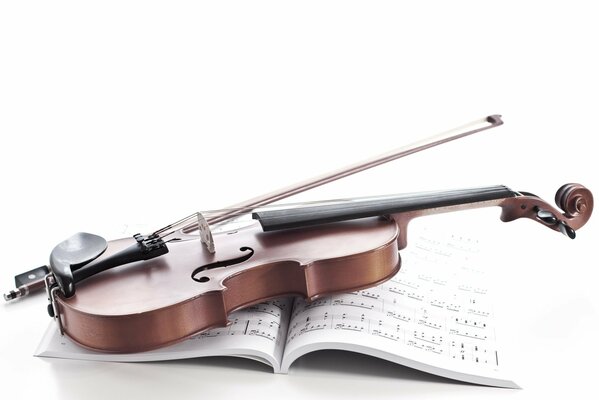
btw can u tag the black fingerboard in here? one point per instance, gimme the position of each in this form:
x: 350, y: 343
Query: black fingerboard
x: 303, y: 216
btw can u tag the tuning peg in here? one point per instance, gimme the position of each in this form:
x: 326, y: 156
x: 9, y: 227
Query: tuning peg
x: 567, y: 230
x: 547, y: 217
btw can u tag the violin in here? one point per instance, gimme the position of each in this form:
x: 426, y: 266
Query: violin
x: 148, y: 291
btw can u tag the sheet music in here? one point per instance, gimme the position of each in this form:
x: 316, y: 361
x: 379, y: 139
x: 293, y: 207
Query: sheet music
x: 435, y: 315
x: 262, y: 320
x: 256, y: 332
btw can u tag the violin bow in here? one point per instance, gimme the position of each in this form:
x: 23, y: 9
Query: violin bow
x: 479, y: 125
x: 34, y: 279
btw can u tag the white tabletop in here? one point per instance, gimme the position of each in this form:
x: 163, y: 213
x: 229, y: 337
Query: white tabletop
x: 130, y: 112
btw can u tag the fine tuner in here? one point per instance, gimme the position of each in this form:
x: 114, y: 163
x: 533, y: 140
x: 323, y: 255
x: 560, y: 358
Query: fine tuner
x: 148, y: 291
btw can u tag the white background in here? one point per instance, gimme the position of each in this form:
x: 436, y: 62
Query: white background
x: 142, y: 112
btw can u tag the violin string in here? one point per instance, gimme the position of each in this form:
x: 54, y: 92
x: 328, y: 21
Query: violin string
x: 176, y: 223
x: 389, y: 197
x: 416, y: 196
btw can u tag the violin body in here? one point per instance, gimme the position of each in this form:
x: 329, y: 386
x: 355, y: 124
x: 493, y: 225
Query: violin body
x: 149, y: 304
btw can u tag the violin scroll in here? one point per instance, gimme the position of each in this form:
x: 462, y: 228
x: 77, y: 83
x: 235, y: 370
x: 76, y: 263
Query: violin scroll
x: 574, y: 200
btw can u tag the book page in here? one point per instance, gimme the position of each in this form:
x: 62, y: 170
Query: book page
x: 435, y: 315
x: 256, y: 332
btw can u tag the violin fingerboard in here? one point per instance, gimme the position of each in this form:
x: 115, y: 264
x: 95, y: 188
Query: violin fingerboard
x: 272, y: 220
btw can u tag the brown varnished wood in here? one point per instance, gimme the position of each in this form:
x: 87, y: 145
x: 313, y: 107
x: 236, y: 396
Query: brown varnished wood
x: 150, y: 304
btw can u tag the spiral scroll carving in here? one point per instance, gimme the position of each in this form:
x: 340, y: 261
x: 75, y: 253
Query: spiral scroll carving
x: 575, y: 200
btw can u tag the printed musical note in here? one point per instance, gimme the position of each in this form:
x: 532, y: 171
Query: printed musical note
x: 471, y: 322
x: 403, y: 316
x: 472, y: 334
x: 473, y: 353
x: 430, y: 321
x: 261, y: 320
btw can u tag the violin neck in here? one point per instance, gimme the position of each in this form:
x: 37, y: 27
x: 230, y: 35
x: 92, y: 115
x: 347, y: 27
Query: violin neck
x: 428, y: 202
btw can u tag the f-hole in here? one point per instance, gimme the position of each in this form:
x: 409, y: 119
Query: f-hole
x: 249, y: 252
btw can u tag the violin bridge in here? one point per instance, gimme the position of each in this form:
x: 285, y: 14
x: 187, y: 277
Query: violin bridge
x: 194, y: 219
x: 205, y: 233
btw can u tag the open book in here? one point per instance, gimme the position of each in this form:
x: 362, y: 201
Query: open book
x: 435, y: 315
